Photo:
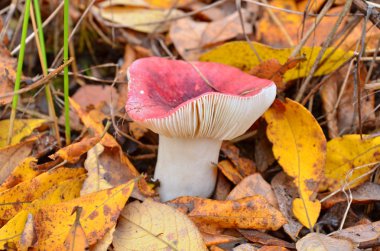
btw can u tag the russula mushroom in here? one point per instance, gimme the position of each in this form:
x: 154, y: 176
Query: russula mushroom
x: 193, y: 107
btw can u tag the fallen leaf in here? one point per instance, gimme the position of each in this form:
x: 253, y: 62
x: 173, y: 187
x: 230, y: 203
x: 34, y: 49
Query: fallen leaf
x: 137, y: 130
x: 245, y: 59
x: 226, y: 167
x: 253, y: 185
x: 348, y: 158
x: 74, y: 151
x: 76, y: 239
x: 217, y: 239
x: 21, y: 129
x: 360, y: 234
x: 316, y: 241
x: 11, y: 156
x: 27, y: 235
x: 168, y: 4
x: 8, y: 66
x: 245, y: 247
x: 285, y: 191
x: 273, y: 70
x: 342, y: 117
x: 300, y: 147
x: 222, y: 188
x: 251, y: 212
x: 100, y: 212
x: 272, y: 248
x: 263, y: 238
x: 95, y: 172
x: 23, y: 172
x: 368, y: 192
x: 139, y: 19
x: 11, y: 232
x: 243, y: 165
x: 154, y: 226
x: 17, y: 198
x: 191, y: 37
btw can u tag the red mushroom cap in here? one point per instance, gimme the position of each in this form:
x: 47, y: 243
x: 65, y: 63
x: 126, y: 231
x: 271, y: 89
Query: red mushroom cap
x: 159, y: 88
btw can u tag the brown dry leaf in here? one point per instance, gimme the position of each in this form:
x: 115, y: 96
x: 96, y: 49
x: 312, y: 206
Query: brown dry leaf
x: 243, y: 165
x: 367, y: 192
x: 273, y: 70
x: 364, y: 233
x: 154, y: 226
x: 342, y: 117
x: 285, y: 191
x: 21, y: 129
x: 91, y: 95
x: 73, y: 152
x: 191, y: 37
x: 76, y: 239
x: 15, y: 199
x: 263, y: 149
x: 99, y: 215
x: 350, y: 157
x: 300, y: 147
x: 23, y: 172
x: 256, y: 236
x: 316, y: 241
x: 11, y: 157
x: 136, y: 18
x: 8, y: 73
x: 251, y: 212
x: 216, y: 239
x: 222, y: 188
x: 226, y: 167
x: 95, y: 172
x: 253, y: 185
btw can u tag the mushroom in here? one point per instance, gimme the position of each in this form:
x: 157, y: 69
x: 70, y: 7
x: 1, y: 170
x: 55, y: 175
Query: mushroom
x: 193, y: 106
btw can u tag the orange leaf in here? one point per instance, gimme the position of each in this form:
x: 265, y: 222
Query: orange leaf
x: 229, y: 171
x: 72, y: 153
x: 251, y: 212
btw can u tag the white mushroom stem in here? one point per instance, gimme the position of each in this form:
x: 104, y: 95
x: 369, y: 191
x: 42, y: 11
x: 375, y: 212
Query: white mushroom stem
x: 186, y: 166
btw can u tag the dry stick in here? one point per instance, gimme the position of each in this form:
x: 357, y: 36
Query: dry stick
x: 51, y: 109
x: 59, y: 55
x: 363, y: 7
x: 323, y: 50
x: 374, y: 58
x: 321, y: 15
x: 38, y: 83
x: 251, y: 45
x: 279, y: 24
x: 46, y: 22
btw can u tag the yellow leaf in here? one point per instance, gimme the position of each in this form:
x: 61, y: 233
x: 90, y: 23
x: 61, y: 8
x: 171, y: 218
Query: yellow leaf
x: 99, y: 215
x: 350, y: 154
x: 11, y: 232
x: 19, y: 197
x: 23, y: 172
x: 21, y: 129
x: 95, y: 172
x: 311, y: 212
x: 154, y: 226
x: 300, y: 147
x: 64, y: 191
x: 245, y: 59
x: 139, y: 19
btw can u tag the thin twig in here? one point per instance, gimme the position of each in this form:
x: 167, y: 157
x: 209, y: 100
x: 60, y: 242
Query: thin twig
x: 326, y: 44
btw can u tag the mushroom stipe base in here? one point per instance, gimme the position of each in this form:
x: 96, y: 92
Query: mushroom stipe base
x: 186, y: 166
